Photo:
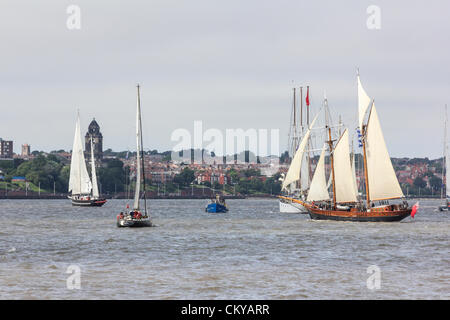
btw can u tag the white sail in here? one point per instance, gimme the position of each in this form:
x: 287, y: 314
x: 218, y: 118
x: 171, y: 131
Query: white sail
x: 383, y: 183
x: 138, y: 155
x: 363, y: 102
x: 293, y: 174
x: 345, y: 191
x: 95, y: 193
x: 304, y: 173
x: 318, y: 190
x: 79, y: 181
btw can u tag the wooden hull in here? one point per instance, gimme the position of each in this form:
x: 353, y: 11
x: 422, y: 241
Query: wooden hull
x: 89, y: 203
x: 338, y: 215
x: 390, y: 213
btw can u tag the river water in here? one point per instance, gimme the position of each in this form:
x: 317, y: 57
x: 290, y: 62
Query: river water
x: 252, y: 252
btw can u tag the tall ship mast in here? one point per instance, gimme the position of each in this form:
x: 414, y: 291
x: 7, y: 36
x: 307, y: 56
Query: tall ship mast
x: 297, y: 179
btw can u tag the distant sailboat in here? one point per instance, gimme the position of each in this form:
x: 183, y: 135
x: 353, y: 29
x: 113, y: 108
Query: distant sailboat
x: 445, y: 170
x: 137, y: 218
x: 84, y: 192
x: 380, y: 178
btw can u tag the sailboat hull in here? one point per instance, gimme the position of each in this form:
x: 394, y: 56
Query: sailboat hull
x: 88, y: 203
x: 287, y: 205
x: 134, y: 223
x: 290, y: 207
x: 382, y: 215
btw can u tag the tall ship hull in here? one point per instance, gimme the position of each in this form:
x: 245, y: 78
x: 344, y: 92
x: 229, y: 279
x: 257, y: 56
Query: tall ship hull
x: 88, y: 202
x: 383, y: 214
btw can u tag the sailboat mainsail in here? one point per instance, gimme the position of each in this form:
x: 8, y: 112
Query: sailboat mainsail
x: 293, y: 174
x: 345, y: 191
x: 382, y: 180
x: 79, y: 181
x: 95, y: 192
x: 318, y: 190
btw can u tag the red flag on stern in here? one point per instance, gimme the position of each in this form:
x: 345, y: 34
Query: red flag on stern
x: 307, y: 96
x: 414, y: 209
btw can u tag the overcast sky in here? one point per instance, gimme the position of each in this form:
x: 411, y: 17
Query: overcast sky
x: 229, y: 63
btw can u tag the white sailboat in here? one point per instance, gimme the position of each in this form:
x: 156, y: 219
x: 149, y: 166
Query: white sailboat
x: 138, y: 217
x: 297, y: 179
x: 297, y: 174
x: 84, y: 192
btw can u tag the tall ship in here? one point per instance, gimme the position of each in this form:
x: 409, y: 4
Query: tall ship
x: 84, y: 191
x: 445, y: 203
x: 381, y: 183
x: 139, y: 215
x: 295, y: 183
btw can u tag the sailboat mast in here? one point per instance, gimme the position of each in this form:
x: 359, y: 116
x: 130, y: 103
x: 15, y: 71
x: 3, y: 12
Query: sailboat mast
x: 444, y: 173
x: 301, y: 108
x: 330, y: 144
x: 142, y: 151
x: 366, y: 175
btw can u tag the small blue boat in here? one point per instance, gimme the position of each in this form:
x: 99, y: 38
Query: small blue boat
x: 217, y: 205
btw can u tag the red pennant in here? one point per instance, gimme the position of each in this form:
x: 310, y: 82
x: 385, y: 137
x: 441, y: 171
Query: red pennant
x: 307, y: 96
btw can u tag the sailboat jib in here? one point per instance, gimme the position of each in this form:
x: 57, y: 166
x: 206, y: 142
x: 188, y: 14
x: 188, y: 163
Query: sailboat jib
x: 318, y: 190
x: 345, y: 191
x: 293, y: 174
x: 95, y: 192
x: 79, y: 181
x: 383, y: 182
x: 363, y: 103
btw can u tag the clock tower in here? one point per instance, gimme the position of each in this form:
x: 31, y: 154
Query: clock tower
x: 97, y: 140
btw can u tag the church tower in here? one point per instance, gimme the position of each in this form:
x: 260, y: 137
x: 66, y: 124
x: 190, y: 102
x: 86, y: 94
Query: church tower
x: 97, y: 140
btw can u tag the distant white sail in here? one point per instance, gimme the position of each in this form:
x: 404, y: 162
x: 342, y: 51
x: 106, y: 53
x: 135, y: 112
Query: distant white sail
x: 138, y: 155
x: 95, y: 192
x: 293, y: 174
x: 363, y: 102
x: 383, y: 183
x: 345, y: 191
x: 79, y: 181
x: 318, y: 190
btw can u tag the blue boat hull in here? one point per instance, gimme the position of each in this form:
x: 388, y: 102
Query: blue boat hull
x: 215, y: 207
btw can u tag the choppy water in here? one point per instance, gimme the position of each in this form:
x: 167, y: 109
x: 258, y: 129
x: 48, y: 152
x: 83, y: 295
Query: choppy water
x: 252, y: 252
